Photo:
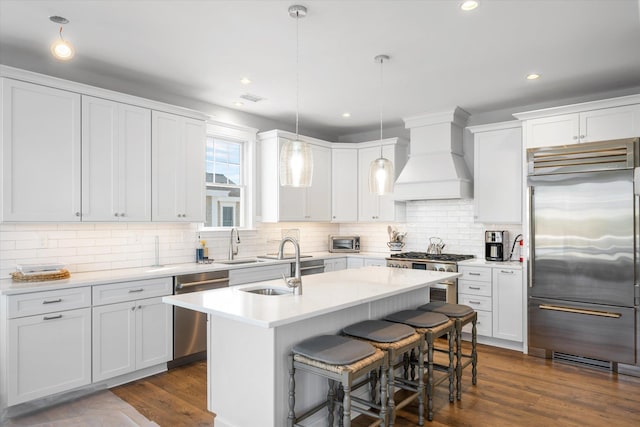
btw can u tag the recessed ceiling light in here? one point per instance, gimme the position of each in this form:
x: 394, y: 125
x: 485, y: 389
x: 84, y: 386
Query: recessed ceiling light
x: 468, y: 5
x: 533, y: 76
x: 346, y: 115
x: 245, y: 81
x: 238, y: 104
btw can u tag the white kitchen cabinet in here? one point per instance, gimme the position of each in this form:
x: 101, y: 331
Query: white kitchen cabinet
x: 280, y: 203
x: 584, y: 126
x: 335, y: 264
x: 49, y: 347
x: 498, y: 173
x: 40, y: 153
x: 474, y: 290
x: 378, y: 262
x: 116, y: 161
x: 134, y: 334
x: 177, y: 166
x: 344, y: 185
x: 353, y: 262
x: 507, y: 303
x: 372, y: 207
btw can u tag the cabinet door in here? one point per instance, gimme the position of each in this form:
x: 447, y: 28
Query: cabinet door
x: 367, y: 202
x: 48, y: 354
x: 507, y: 304
x: 551, y: 131
x: 610, y: 123
x: 113, y: 340
x: 177, y: 168
x: 116, y: 161
x: 498, y: 176
x: 344, y: 185
x: 339, y: 264
x: 154, y: 332
x: 318, y: 197
x: 40, y: 153
x: 378, y: 262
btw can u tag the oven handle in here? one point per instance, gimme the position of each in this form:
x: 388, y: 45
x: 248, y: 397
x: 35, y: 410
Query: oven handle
x: 202, y: 282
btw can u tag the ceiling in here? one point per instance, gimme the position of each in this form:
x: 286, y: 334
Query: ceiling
x: 194, y: 53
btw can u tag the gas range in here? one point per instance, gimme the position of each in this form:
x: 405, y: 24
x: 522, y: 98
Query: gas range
x: 443, y: 291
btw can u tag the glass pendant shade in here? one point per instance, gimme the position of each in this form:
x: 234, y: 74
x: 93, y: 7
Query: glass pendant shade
x: 296, y: 164
x: 381, y: 176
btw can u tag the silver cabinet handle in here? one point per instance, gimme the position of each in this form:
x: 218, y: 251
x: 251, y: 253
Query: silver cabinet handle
x: 52, y: 301
x: 506, y: 271
x: 59, y: 316
x: 133, y: 308
x: 77, y: 213
x: 474, y: 274
x: 582, y: 136
x: 139, y: 307
x: 475, y: 302
x: 579, y: 311
x: 475, y: 288
x: 131, y: 291
x: 116, y: 214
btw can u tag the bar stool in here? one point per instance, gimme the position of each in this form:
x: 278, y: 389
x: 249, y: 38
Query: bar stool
x: 340, y: 360
x: 396, y: 339
x: 462, y: 315
x: 431, y: 326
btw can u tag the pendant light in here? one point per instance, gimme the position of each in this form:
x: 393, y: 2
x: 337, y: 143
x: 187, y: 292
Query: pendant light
x: 381, y: 173
x: 296, y: 157
x: 61, y: 49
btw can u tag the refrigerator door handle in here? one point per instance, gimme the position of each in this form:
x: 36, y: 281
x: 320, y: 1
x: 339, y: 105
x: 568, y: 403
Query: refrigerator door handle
x: 636, y: 181
x: 532, y: 244
x: 579, y: 311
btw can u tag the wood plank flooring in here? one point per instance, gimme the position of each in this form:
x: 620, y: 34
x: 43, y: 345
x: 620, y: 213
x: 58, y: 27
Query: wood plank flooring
x: 513, y: 390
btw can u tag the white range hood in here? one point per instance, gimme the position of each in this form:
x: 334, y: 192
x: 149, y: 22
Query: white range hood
x: 436, y: 168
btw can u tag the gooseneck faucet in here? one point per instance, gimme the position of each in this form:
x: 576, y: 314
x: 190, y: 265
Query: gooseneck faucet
x: 232, y: 251
x: 292, y: 282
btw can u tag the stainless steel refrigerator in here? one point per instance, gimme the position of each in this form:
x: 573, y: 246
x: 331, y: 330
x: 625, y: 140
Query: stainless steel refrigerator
x: 583, y: 293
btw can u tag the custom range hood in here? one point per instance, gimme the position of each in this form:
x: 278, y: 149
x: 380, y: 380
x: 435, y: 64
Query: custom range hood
x: 436, y: 168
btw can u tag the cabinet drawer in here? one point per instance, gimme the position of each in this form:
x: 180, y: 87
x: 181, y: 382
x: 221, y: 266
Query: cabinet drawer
x: 49, y: 301
x: 478, y: 274
x: 484, y: 326
x: 129, y: 291
x: 476, y: 302
x: 469, y: 287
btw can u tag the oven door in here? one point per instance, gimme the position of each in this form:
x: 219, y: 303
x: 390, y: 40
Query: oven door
x: 446, y: 291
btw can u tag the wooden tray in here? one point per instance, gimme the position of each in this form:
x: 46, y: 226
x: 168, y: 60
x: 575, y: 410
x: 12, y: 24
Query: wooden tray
x: 55, y: 275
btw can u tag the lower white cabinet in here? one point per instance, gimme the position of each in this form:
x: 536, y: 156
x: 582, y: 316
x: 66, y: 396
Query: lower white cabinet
x: 48, y: 353
x: 130, y: 336
x: 128, y: 333
x: 496, y: 295
x: 335, y: 264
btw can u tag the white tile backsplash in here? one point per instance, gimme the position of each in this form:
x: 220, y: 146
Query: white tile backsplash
x: 89, y: 247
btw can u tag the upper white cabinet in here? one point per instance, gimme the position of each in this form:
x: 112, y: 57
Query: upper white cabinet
x: 498, y: 173
x: 289, y: 203
x: 372, y: 207
x: 40, y: 153
x: 116, y: 161
x: 344, y: 185
x: 592, y: 121
x: 178, y: 179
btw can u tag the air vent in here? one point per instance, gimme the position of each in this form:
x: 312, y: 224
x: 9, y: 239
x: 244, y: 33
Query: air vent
x: 583, y: 361
x: 251, y: 97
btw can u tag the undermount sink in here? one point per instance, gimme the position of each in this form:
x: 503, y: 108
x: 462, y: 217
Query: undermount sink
x: 240, y: 261
x: 267, y: 291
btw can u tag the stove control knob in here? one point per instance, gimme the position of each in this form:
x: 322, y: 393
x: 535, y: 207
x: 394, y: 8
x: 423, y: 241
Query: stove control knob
x: 440, y: 268
x: 451, y: 269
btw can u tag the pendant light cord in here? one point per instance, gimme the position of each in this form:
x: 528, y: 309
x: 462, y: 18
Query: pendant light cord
x: 380, y: 103
x: 297, y: 72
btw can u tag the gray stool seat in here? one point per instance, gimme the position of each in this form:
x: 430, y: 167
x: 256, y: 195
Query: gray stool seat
x: 379, y: 331
x: 341, y: 361
x: 334, y: 349
x: 462, y: 315
x: 418, y: 318
x: 451, y: 310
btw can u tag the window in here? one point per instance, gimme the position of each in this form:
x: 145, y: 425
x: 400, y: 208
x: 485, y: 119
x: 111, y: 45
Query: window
x: 224, y: 183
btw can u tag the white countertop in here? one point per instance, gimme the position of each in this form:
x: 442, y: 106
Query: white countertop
x: 10, y: 287
x: 477, y: 262
x: 322, y: 293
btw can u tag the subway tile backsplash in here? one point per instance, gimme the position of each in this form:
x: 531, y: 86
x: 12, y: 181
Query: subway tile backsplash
x: 88, y: 247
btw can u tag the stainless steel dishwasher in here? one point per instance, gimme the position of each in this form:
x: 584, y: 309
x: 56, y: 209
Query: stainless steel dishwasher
x: 189, y: 326
x: 312, y: 266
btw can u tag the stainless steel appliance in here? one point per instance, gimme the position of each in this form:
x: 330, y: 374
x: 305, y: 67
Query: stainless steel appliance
x: 344, y: 244
x: 496, y: 245
x: 583, y: 271
x: 444, y: 291
x: 312, y: 266
x: 189, y: 326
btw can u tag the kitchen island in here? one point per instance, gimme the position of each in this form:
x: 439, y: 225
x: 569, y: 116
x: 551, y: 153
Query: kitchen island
x: 250, y: 335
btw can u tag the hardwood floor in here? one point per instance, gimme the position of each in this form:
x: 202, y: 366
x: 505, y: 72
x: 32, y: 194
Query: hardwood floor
x: 513, y: 390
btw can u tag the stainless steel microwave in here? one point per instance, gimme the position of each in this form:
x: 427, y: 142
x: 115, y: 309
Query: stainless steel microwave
x: 344, y: 243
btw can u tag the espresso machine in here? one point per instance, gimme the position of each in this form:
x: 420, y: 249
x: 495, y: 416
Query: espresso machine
x: 495, y: 245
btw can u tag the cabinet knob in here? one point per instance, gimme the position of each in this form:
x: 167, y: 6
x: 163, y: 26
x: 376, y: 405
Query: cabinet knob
x: 77, y: 213
x: 575, y: 137
x: 582, y: 136
x: 133, y: 308
x: 121, y: 213
x: 115, y: 214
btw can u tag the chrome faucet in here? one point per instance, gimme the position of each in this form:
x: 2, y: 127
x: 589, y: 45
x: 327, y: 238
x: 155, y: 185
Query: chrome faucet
x: 292, y: 282
x: 232, y: 251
